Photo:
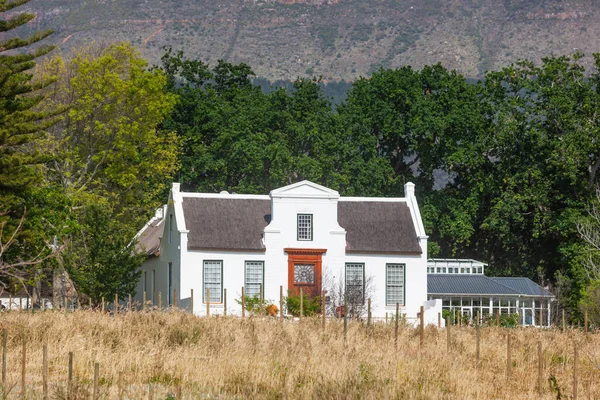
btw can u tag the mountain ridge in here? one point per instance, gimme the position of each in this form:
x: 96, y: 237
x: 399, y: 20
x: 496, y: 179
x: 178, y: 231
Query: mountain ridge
x: 336, y: 39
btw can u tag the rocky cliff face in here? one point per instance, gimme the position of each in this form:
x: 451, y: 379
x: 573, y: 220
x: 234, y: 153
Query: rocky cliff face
x: 338, y: 39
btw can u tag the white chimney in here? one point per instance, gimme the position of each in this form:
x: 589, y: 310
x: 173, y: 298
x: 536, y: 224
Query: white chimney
x: 409, y: 189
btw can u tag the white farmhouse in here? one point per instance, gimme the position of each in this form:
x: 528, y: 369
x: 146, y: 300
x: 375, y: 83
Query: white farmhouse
x: 289, y: 238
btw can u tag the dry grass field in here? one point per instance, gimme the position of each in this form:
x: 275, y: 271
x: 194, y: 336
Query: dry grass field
x: 261, y: 358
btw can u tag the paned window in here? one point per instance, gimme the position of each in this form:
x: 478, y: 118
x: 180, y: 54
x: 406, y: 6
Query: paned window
x: 254, y: 272
x: 305, y: 227
x: 304, y: 273
x: 394, y: 283
x: 213, y: 280
x: 355, y: 282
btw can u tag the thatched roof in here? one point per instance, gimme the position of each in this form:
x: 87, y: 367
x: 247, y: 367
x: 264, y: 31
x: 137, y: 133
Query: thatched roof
x: 226, y: 224
x: 378, y: 227
x: 149, y: 239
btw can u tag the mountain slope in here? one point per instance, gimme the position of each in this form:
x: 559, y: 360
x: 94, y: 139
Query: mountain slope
x: 339, y: 39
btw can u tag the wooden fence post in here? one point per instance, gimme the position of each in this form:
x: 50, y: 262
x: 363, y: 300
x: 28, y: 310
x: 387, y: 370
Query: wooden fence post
x: 208, y: 302
x: 70, y: 376
x: 281, y: 303
x: 439, y: 320
x: 508, y: 357
x: 23, y: 367
x: 448, y: 334
x: 386, y: 318
x: 129, y: 304
x: 160, y: 300
x: 541, y: 318
x: 323, y: 311
x: 369, y: 312
x: 224, y: 302
x: 564, y: 326
x: 540, y: 368
x: 96, y: 373
x: 345, y: 317
x: 3, y: 358
x: 422, y: 327
x: 150, y: 391
x: 261, y: 297
x: 478, y: 340
x: 178, y: 395
x: 498, y: 318
x: 301, y: 303
x: 397, y: 316
x: 144, y: 300
x: 192, y: 301
x: 575, y: 374
x: 102, y: 304
x: 243, y: 304
x: 120, y: 385
x: 45, y: 371
x: 174, y: 298
x: 116, y: 304
x: 585, y: 322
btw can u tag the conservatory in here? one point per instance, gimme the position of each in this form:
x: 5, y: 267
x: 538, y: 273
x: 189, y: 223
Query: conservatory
x: 472, y: 293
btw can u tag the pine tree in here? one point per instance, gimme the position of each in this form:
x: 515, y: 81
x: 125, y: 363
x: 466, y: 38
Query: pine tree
x: 21, y: 249
x: 20, y: 124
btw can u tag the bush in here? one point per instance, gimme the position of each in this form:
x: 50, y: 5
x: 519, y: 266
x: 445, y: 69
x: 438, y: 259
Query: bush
x: 253, y: 305
x: 310, y: 306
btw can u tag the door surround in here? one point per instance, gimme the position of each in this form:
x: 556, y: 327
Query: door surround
x: 306, y: 256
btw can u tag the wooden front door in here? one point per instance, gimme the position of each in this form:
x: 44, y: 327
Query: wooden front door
x: 305, y: 271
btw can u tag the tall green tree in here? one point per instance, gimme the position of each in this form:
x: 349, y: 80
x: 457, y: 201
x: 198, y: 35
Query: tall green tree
x: 426, y: 126
x: 544, y: 154
x: 20, y: 128
x: 109, y: 159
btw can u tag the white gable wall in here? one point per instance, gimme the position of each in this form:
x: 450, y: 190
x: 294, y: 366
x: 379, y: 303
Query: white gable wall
x: 170, y: 252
